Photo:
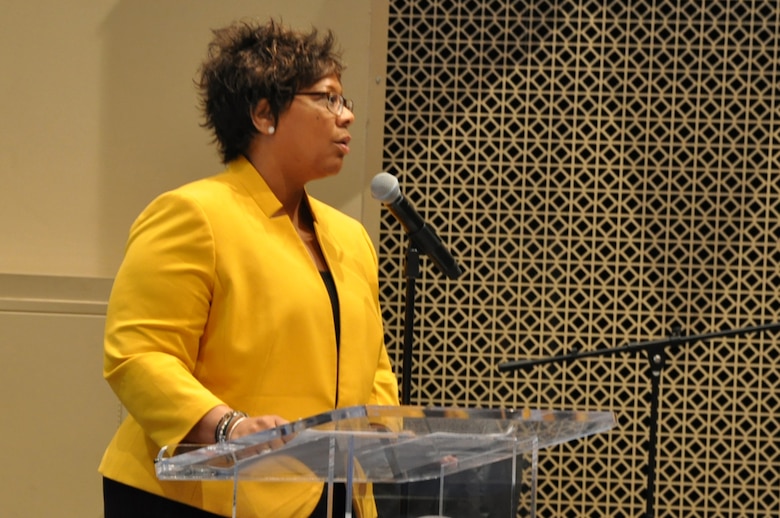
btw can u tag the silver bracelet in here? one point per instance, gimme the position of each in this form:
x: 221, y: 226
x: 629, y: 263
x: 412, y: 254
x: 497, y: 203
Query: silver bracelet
x: 233, y: 426
x: 221, y: 433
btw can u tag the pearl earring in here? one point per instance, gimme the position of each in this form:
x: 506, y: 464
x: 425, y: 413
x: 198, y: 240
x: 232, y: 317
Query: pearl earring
x: 271, y: 130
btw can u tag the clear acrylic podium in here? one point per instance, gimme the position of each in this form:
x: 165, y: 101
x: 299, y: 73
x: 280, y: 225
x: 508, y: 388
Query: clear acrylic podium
x: 450, y: 462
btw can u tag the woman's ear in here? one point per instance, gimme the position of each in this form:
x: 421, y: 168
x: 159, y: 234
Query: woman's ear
x: 262, y: 119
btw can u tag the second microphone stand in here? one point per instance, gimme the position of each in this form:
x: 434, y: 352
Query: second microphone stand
x: 656, y: 351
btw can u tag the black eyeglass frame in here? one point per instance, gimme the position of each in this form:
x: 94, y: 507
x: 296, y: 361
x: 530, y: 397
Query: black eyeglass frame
x: 336, y: 102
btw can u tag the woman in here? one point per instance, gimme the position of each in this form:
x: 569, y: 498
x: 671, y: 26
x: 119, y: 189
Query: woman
x: 242, y: 303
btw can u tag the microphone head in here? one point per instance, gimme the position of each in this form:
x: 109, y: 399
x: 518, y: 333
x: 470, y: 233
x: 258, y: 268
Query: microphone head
x: 385, y: 188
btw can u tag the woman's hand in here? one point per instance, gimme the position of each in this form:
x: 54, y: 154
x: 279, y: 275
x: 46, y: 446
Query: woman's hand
x: 250, y: 425
x: 203, y: 432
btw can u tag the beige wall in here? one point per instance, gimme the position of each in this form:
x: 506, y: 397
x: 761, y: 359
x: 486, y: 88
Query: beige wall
x: 98, y: 116
x: 58, y: 413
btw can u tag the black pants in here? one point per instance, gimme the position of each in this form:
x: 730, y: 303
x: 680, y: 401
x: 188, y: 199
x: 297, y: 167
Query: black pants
x: 123, y: 501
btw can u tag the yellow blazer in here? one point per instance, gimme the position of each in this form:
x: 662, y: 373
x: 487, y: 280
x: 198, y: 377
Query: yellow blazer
x: 218, y: 301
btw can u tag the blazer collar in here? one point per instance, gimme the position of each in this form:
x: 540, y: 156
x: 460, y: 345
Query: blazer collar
x: 255, y: 185
x: 258, y: 189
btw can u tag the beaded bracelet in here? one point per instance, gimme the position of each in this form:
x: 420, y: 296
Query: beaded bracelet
x: 221, y: 432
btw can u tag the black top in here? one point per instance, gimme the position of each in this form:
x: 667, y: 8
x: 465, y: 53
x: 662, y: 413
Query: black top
x: 330, y: 284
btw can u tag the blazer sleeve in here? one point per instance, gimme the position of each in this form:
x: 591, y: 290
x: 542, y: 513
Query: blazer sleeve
x: 157, y: 311
x: 385, y: 390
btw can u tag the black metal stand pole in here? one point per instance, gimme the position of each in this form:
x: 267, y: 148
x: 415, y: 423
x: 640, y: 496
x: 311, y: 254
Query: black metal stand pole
x: 412, y: 273
x: 657, y: 358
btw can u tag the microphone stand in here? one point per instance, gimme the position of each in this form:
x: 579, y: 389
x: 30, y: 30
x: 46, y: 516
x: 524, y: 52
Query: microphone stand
x: 656, y: 351
x: 411, y: 273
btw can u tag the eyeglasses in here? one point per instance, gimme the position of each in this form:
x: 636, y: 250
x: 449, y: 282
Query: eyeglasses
x: 336, y: 102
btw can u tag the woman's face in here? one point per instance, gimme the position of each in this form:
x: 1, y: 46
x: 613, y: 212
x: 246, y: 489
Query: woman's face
x: 313, y: 139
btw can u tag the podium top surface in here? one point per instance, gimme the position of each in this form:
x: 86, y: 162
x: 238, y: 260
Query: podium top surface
x: 380, y: 444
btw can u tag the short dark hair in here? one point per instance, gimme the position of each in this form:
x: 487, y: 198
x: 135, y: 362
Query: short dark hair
x: 249, y: 61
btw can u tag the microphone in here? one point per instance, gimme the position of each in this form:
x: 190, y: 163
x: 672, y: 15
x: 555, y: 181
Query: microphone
x: 385, y: 188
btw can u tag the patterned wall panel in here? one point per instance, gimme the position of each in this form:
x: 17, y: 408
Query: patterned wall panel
x: 604, y: 171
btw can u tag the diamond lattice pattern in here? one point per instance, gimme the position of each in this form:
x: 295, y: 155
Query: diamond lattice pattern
x: 604, y: 171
